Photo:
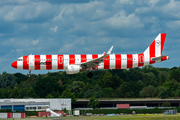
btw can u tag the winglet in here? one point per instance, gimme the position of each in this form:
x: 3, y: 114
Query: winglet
x: 109, y: 51
x: 104, y: 53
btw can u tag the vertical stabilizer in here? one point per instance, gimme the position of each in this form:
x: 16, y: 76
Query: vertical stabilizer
x: 156, y: 47
x: 155, y: 50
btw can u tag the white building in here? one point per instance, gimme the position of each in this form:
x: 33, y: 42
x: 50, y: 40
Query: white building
x: 35, y: 104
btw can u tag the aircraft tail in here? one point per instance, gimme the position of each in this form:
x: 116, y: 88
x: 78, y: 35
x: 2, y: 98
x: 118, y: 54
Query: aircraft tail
x: 156, y: 47
x: 153, y: 53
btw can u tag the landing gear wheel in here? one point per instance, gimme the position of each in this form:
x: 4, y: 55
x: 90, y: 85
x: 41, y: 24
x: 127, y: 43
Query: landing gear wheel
x: 89, y: 74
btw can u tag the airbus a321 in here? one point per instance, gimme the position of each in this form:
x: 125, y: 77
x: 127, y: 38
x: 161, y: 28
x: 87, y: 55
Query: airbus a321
x: 75, y: 63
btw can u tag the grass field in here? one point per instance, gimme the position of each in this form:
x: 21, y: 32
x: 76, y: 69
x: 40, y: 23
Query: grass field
x: 119, y: 117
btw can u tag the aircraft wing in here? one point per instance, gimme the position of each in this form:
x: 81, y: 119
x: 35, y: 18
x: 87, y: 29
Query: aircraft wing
x: 94, y: 62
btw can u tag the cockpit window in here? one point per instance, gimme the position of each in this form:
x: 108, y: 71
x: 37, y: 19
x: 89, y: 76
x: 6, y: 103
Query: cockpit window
x: 20, y: 60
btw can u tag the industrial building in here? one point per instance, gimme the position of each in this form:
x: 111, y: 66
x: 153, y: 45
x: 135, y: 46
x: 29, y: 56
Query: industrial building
x: 35, y: 104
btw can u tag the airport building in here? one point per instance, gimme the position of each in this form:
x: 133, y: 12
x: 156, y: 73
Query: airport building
x: 35, y: 104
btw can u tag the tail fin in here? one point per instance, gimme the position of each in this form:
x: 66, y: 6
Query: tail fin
x: 155, y: 49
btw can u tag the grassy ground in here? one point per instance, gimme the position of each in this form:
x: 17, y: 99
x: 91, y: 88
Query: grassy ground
x: 120, y: 117
x: 131, y: 117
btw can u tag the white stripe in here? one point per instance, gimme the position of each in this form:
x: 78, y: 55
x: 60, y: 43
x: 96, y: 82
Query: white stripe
x: 43, y: 59
x: 66, y: 63
x: 112, y: 62
x: 54, y: 62
x: 135, y: 60
x: 101, y: 65
x: 146, y: 57
x: 158, y: 47
x: 77, y: 59
x: 123, y: 61
x: 89, y: 57
x: 19, y: 64
x: 31, y: 62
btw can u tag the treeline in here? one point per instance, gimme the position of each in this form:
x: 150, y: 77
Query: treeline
x: 144, y: 82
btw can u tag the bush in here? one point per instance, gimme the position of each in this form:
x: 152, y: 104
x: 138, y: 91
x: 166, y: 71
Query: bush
x: 166, y: 104
x: 5, y: 110
x: 178, y: 109
x: 118, y: 111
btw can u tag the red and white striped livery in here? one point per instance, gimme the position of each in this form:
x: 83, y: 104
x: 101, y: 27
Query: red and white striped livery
x: 75, y: 63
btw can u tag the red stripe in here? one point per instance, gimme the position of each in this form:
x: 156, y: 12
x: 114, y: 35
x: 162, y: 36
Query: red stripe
x: 71, y: 59
x: 14, y: 64
x: 25, y: 62
x: 152, y: 51
x: 48, y: 62
x: 94, y: 56
x: 129, y: 60
x: 60, y: 62
x: 140, y: 59
x: 118, y: 61
x: 37, y: 62
x: 83, y: 58
x: 164, y: 58
x: 106, y: 62
x: 163, y: 37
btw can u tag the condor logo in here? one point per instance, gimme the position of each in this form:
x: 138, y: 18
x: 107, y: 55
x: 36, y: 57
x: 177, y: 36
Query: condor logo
x: 43, y: 63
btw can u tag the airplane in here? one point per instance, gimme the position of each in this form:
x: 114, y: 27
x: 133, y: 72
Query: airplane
x: 75, y: 63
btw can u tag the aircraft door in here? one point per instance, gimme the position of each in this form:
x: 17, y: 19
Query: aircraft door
x: 60, y: 62
x: 141, y: 59
x: 60, y: 59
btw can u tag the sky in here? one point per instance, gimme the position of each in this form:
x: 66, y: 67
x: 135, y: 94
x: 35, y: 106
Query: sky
x: 86, y: 27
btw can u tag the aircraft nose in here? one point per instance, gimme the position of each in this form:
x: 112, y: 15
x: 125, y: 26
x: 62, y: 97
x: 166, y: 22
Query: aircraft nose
x: 14, y: 64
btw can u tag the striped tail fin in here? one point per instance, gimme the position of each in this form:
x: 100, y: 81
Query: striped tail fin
x: 153, y: 53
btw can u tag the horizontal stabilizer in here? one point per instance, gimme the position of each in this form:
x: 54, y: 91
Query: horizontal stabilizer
x: 157, y: 58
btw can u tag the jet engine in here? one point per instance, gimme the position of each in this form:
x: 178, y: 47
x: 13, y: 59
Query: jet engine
x: 73, y: 69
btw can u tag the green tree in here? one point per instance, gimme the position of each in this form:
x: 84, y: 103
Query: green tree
x: 106, y: 81
x: 88, y: 93
x: 77, y: 88
x: 49, y: 96
x: 166, y: 104
x: 7, y: 79
x: 45, y: 86
x: 20, y: 77
x: 93, y: 102
x: 68, y: 94
x: 150, y: 79
x: 116, y: 82
x: 162, y: 80
x: 97, y: 91
x: 130, y: 90
x: 31, y: 93
x: 175, y: 74
x: 165, y: 94
x: 148, y: 91
x: 107, y: 92
x: 171, y: 84
x: 14, y: 93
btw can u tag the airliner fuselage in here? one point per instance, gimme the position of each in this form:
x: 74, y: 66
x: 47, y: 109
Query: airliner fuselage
x: 75, y: 63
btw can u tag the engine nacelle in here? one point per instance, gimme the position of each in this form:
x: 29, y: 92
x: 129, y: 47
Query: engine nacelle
x: 73, y: 69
